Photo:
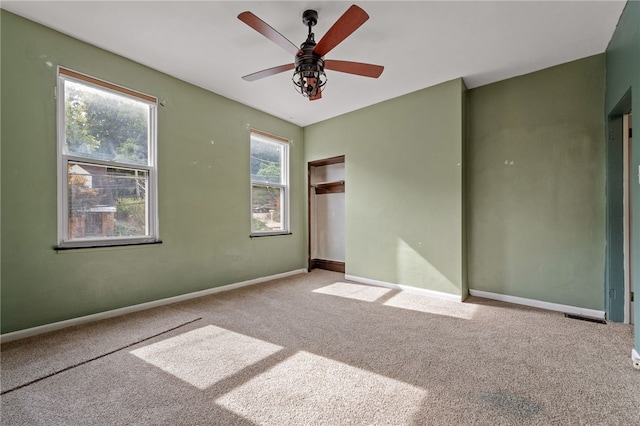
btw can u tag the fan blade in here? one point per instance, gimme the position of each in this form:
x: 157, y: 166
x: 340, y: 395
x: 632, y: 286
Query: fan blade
x: 357, y: 68
x: 344, y: 26
x: 268, y: 72
x: 266, y: 30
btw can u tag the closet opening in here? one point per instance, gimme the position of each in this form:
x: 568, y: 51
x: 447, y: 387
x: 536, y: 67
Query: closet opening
x: 326, y: 179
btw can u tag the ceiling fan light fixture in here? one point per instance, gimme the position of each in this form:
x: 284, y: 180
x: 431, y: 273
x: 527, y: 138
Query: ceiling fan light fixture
x: 309, y: 79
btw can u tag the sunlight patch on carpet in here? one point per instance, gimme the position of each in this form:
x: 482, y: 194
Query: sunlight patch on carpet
x: 310, y: 389
x: 431, y: 305
x: 206, y: 355
x: 354, y: 291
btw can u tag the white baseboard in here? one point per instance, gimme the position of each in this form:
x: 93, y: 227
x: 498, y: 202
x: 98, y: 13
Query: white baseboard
x: 635, y: 357
x: 21, y: 334
x: 407, y: 288
x: 574, y: 310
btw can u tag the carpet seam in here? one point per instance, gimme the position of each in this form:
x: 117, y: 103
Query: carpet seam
x: 95, y: 358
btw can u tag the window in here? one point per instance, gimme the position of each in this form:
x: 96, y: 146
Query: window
x: 269, y: 184
x: 107, y: 163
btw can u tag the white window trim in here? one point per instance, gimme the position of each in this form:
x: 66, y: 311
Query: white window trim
x: 65, y: 74
x: 284, y: 186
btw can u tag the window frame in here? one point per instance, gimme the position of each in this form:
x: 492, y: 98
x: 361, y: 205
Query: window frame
x: 63, y: 160
x: 284, y: 184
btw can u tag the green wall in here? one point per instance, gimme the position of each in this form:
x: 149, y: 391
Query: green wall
x: 623, y: 77
x: 536, y: 202
x: 404, y: 217
x: 203, y: 146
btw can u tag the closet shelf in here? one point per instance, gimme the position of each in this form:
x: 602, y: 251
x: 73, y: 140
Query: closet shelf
x: 329, y: 187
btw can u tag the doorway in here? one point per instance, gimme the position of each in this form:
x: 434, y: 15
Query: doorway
x: 628, y: 175
x: 619, y: 222
x: 327, y: 214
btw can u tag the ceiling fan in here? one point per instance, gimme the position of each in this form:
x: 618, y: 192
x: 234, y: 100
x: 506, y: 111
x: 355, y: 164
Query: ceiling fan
x: 309, y: 63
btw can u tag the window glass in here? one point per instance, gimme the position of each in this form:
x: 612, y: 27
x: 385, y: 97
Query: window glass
x: 266, y: 160
x: 267, y: 204
x: 105, y: 126
x: 106, y: 202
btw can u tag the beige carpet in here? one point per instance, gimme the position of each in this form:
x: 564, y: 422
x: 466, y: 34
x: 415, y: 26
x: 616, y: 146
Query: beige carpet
x: 316, y: 350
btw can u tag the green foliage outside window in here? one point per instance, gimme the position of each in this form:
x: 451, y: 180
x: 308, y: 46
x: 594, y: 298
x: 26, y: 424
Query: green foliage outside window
x: 130, y: 216
x: 104, y: 126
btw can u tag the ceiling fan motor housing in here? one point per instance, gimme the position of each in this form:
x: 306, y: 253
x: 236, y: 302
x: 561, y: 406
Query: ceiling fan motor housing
x: 307, y: 59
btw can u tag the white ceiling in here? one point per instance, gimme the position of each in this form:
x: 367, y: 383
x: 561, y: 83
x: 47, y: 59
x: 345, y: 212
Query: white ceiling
x: 420, y: 43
